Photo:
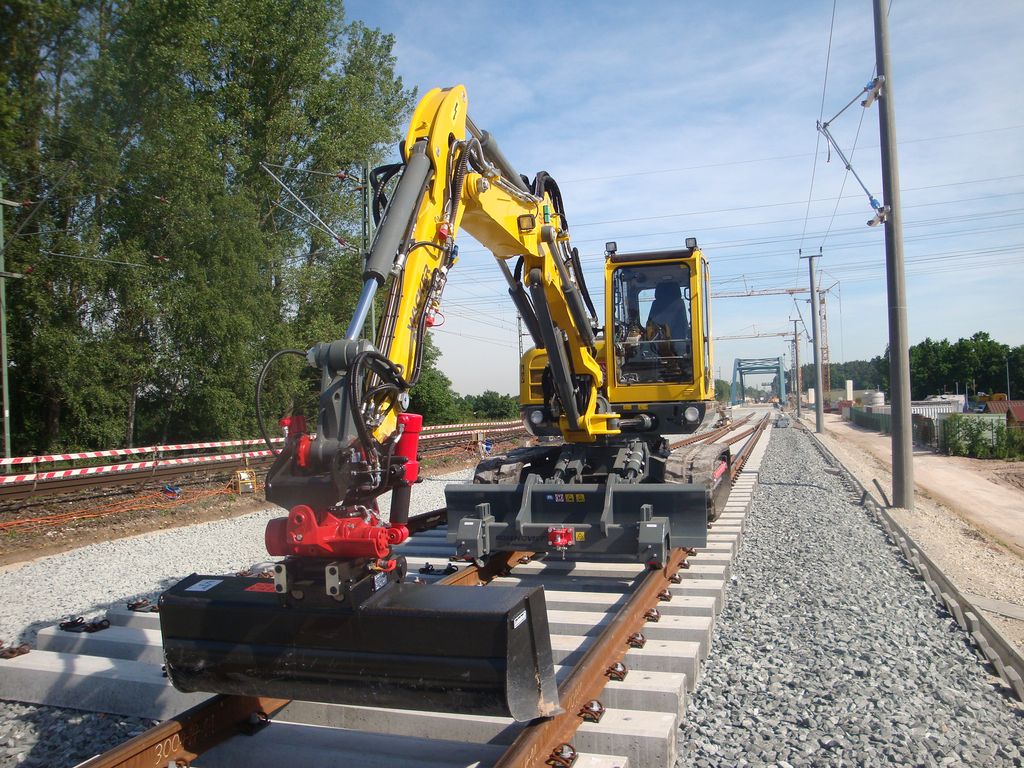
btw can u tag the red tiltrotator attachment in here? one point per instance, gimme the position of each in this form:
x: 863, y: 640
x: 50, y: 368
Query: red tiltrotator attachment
x: 357, y: 532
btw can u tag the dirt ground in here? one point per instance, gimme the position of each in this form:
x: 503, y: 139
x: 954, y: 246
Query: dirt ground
x: 968, y: 516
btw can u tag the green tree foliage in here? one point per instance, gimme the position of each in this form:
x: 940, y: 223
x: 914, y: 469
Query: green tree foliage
x: 978, y: 362
x: 940, y: 366
x: 971, y: 435
x: 163, y: 265
x: 723, y: 390
x: 433, y: 396
x: 492, y: 405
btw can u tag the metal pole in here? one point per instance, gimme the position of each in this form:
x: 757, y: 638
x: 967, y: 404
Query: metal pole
x: 796, y: 360
x: 899, y: 346
x: 3, y: 335
x: 1007, y: 373
x: 819, y: 396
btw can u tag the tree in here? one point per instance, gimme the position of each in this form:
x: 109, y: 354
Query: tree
x: 723, y: 391
x: 433, y: 396
x: 144, y: 127
x: 492, y: 405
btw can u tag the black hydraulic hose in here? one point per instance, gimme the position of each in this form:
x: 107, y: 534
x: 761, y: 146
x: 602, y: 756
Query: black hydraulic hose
x: 379, y: 178
x: 578, y: 269
x: 259, y: 393
x: 544, y: 182
x: 421, y: 331
x: 383, y: 368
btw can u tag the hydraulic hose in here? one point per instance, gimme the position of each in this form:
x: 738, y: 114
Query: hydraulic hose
x: 259, y: 393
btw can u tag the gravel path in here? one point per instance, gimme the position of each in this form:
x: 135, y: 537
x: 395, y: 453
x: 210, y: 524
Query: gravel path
x: 86, y: 581
x: 831, y: 651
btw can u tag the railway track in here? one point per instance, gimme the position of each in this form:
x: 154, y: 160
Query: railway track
x: 592, y: 606
x: 656, y: 624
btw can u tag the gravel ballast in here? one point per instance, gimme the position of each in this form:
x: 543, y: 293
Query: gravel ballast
x: 831, y: 651
x: 87, y: 581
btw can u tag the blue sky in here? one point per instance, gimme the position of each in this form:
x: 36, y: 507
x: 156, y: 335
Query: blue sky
x: 663, y: 120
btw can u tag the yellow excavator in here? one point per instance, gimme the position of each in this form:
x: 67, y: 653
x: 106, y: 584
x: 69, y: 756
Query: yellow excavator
x: 339, y: 622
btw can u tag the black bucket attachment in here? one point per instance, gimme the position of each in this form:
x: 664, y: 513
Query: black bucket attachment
x: 409, y: 646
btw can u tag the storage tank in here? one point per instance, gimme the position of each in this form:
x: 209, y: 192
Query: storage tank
x: 873, y: 398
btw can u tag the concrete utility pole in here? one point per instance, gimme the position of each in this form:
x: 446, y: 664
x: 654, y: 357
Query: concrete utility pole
x: 796, y: 364
x: 819, y: 396
x: 899, y: 346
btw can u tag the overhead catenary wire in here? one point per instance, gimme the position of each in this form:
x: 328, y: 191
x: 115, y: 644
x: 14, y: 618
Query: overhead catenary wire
x: 817, y: 138
x: 95, y: 258
x: 301, y: 202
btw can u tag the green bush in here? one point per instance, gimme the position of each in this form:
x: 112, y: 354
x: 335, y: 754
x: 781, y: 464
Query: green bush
x: 963, y: 436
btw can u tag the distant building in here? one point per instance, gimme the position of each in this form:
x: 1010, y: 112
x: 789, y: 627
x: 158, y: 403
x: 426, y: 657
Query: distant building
x: 1002, y: 406
x: 1015, y: 416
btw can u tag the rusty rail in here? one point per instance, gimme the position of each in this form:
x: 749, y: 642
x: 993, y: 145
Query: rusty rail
x: 744, y: 454
x: 546, y: 740
x: 183, y: 738
x: 188, y: 735
x: 709, y: 436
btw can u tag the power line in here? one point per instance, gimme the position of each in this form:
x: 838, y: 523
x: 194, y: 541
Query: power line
x: 775, y: 158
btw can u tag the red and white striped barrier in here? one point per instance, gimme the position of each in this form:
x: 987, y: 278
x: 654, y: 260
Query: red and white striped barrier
x: 64, y: 474
x: 56, y: 457
x: 462, y: 430
x: 438, y: 427
x: 472, y: 432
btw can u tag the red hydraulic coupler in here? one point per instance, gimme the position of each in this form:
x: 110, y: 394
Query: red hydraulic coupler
x: 406, y: 448
x: 344, y: 537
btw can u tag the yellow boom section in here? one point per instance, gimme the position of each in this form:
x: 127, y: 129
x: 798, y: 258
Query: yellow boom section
x: 504, y: 218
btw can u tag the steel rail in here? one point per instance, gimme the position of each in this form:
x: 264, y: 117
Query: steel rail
x: 709, y: 435
x: 183, y: 738
x: 543, y: 740
x: 745, y: 451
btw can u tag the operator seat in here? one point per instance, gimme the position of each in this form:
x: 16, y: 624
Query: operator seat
x: 668, y: 311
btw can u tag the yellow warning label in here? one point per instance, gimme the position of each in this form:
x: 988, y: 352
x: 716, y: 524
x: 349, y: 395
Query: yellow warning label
x: 581, y: 535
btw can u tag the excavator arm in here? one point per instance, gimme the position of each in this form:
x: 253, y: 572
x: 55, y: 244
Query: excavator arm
x: 464, y: 182
x: 339, y: 623
x: 453, y: 177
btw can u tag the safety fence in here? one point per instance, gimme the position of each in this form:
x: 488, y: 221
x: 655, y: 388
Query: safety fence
x: 67, y: 469
x: 979, y: 435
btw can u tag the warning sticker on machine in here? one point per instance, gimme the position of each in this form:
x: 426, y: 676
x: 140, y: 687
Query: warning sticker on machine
x: 204, y: 585
x: 262, y: 586
x: 519, y: 619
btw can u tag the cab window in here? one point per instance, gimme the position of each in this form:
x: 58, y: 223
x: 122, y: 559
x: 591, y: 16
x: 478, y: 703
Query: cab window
x: 652, y: 324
